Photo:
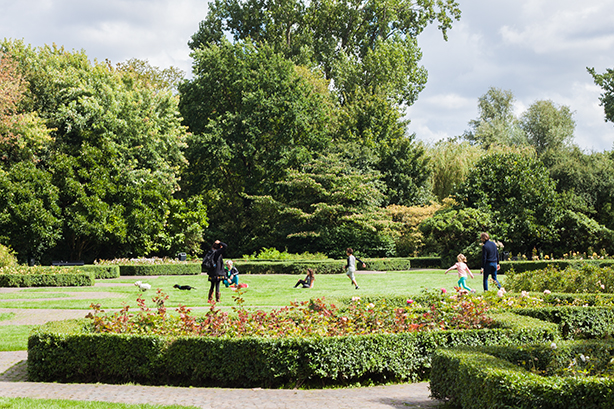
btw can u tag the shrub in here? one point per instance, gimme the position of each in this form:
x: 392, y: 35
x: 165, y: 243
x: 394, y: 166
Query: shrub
x: 7, y: 257
x: 100, y: 271
x: 23, y: 276
x: 178, y: 268
x: 319, y: 266
x: 267, y: 254
x: 554, y: 375
x: 587, y: 278
x: 78, y: 356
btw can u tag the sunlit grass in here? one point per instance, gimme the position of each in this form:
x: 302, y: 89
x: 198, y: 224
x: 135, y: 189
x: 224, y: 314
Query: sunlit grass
x: 264, y: 290
x: 28, y: 403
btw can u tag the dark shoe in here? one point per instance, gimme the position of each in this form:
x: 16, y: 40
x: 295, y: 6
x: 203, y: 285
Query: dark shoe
x: 218, y: 296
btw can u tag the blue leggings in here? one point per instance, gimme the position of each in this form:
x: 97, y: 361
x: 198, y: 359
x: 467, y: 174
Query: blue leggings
x: 462, y: 282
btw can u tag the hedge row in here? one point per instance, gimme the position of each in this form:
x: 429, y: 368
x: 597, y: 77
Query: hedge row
x: 522, y: 266
x: 160, y: 269
x: 100, y: 271
x: 78, y: 356
x: 319, y: 266
x: 497, y: 377
x: 576, y: 322
x: 64, y: 279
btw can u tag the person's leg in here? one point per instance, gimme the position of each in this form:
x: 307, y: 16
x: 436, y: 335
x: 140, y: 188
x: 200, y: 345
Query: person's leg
x: 218, y: 294
x: 226, y: 283
x: 494, y: 275
x: 235, y: 280
x: 462, y: 282
x: 485, y: 277
x: 211, y: 288
x: 351, y: 275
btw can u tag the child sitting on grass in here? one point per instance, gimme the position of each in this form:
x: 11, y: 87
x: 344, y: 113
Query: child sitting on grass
x: 308, y: 281
x: 462, y: 269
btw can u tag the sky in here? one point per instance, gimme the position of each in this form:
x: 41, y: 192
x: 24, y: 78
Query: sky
x: 538, y: 49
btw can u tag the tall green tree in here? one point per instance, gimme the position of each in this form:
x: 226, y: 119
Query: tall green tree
x: 368, y: 45
x: 587, y: 179
x: 548, y: 126
x: 450, y: 163
x: 116, y: 151
x: 373, y: 136
x: 496, y: 124
x: 326, y: 205
x: 606, y: 82
x: 517, y: 192
x: 253, y: 115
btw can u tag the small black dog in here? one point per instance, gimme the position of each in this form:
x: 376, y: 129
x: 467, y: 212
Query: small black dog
x: 184, y: 287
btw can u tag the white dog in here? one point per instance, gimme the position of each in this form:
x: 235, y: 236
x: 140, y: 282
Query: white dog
x: 143, y: 286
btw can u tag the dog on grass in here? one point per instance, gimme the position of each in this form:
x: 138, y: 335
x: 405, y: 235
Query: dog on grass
x: 143, y: 286
x: 184, y: 287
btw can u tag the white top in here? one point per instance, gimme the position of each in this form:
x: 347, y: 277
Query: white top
x: 351, y: 263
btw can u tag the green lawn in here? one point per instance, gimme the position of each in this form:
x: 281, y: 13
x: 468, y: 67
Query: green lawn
x: 14, y: 338
x: 28, y: 403
x: 264, y: 290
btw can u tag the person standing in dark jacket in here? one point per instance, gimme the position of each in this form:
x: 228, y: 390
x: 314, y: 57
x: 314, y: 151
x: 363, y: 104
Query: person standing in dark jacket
x: 217, y: 273
x: 490, y: 260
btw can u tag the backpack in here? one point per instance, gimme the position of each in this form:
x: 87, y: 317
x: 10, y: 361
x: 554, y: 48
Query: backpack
x: 208, y: 261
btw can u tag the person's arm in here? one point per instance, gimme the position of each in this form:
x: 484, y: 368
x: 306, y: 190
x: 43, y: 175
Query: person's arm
x: 469, y: 271
x: 451, y: 268
x: 313, y: 279
x: 362, y: 262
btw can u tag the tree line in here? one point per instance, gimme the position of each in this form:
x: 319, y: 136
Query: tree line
x: 291, y: 134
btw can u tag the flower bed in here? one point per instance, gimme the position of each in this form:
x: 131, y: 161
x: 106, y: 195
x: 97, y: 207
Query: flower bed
x: 304, y: 344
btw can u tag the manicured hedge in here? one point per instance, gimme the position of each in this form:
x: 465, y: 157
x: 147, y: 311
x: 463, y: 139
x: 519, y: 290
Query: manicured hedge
x: 521, y: 266
x: 160, y: 269
x: 499, y: 377
x: 576, y: 322
x: 78, y: 356
x: 100, y: 271
x: 63, y: 279
x: 319, y: 266
x: 426, y: 262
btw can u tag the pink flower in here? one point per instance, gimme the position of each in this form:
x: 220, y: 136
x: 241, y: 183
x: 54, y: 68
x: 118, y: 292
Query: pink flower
x: 443, y: 291
x: 410, y: 301
x: 546, y: 292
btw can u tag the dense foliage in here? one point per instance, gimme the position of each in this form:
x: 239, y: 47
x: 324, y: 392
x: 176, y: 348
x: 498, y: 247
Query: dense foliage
x: 103, y: 181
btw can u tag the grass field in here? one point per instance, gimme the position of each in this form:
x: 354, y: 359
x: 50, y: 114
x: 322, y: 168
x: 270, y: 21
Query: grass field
x: 27, y: 403
x: 263, y: 291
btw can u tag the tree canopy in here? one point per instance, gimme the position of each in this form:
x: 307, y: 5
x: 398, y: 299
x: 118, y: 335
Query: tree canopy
x: 111, y: 158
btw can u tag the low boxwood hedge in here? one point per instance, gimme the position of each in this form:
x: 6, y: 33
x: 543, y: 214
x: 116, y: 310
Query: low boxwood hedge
x: 160, y: 269
x: 78, y: 356
x: 531, y: 265
x: 100, y: 271
x: 70, y: 278
x: 576, y: 322
x: 504, y: 377
x: 426, y: 262
x: 319, y: 266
